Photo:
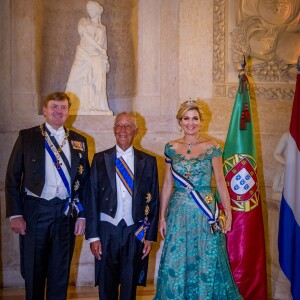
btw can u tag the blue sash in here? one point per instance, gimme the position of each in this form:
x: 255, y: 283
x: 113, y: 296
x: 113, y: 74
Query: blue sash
x: 213, y: 218
x: 127, y: 178
x: 58, y: 168
x: 70, y: 205
x: 61, y: 153
x: 125, y: 174
x: 140, y: 233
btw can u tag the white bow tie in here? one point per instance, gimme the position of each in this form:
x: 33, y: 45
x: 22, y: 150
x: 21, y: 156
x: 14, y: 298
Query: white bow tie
x: 59, y: 133
x: 124, y: 154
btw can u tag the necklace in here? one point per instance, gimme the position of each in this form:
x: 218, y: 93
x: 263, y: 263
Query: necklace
x: 191, y: 145
x: 55, y: 150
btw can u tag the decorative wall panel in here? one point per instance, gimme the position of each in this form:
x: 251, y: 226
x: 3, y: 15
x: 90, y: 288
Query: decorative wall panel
x: 268, y: 34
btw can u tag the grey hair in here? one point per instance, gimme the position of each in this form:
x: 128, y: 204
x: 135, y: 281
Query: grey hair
x: 130, y: 114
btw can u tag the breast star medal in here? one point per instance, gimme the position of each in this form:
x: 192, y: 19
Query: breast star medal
x: 147, y: 208
x: 80, y: 169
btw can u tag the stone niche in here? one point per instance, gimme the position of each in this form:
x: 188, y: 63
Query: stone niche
x: 57, y: 38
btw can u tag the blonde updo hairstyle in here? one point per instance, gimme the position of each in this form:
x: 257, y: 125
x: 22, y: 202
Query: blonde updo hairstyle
x: 189, y: 105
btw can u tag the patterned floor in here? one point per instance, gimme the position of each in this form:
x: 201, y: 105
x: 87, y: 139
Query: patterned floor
x: 79, y: 293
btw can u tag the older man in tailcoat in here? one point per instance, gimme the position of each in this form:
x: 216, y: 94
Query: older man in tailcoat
x: 122, y: 213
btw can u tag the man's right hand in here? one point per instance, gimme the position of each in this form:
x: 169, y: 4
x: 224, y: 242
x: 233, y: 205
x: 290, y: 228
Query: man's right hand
x: 96, y: 249
x: 18, y: 225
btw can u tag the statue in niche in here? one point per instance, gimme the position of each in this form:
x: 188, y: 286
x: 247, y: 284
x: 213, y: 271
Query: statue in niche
x: 269, y: 32
x: 86, y: 85
x: 280, y: 154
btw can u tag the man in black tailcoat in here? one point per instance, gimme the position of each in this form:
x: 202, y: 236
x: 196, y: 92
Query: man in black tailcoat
x: 122, y: 213
x: 45, y: 184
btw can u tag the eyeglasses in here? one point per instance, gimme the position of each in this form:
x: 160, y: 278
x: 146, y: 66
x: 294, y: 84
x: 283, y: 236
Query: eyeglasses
x: 127, y: 126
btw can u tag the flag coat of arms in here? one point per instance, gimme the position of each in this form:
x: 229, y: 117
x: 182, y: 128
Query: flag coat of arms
x: 245, y: 242
x: 289, y: 220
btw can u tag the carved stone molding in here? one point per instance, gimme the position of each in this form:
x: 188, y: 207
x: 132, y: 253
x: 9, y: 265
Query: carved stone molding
x: 267, y: 32
x: 219, y: 42
x: 263, y: 92
x: 220, y: 90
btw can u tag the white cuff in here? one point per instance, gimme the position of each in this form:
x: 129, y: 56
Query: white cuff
x: 93, y: 239
x: 13, y: 217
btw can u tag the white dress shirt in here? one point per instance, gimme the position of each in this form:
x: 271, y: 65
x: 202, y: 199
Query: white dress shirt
x: 124, y: 199
x: 54, y: 186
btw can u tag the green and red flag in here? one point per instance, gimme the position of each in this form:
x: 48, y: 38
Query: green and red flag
x: 245, y: 242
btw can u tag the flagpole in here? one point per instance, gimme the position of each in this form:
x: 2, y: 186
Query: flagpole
x: 245, y: 242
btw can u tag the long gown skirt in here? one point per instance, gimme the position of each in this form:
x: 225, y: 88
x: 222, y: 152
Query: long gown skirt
x: 194, y: 263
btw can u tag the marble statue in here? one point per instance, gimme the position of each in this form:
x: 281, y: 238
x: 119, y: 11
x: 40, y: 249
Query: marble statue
x: 86, y: 85
x: 280, y: 156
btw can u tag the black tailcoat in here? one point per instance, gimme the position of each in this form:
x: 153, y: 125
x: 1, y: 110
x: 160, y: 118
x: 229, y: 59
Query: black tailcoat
x: 102, y: 193
x: 26, y: 169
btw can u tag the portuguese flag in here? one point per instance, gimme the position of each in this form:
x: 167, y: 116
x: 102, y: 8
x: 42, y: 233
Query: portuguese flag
x: 245, y: 242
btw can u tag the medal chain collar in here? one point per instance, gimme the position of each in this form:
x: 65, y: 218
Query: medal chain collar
x: 55, y: 150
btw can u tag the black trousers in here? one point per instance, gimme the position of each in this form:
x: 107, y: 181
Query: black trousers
x: 46, y: 249
x: 121, y: 262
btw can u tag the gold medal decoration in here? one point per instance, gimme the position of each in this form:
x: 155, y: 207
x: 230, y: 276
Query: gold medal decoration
x: 76, y: 185
x: 80, y: 169
x: 148, y: 197
x: 208, y: 199
x: 147, y: 208
x: 78, y: 145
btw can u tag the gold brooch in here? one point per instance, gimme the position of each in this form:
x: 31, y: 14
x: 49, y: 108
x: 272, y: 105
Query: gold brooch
x: 208, y: 199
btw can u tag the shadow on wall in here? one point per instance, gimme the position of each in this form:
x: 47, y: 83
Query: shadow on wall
x: 154, y: 256
x: 79, y: 249
x: 138, y: 144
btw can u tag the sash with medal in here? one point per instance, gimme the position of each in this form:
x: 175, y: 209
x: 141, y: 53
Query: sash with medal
x: 213, y: 217
x: 56, y: 153
x: 143, y: 228
x: 127, y: 178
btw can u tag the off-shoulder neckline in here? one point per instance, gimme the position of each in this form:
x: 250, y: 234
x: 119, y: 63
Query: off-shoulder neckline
x: 201, y: 155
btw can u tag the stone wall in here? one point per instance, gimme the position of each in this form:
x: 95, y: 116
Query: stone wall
x: 161, y: 53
